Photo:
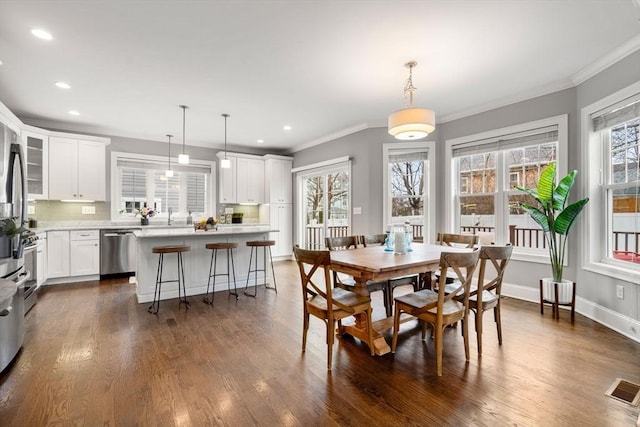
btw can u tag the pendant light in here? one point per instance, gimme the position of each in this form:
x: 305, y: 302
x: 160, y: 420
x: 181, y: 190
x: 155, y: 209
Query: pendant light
x: 169, y: 172
x: 225, y: 163
x: 183, y: 158
x: 411, y: 122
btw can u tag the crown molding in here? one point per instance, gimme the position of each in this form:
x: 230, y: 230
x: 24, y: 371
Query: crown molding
x: 332, y: 136
x: 606, y: 61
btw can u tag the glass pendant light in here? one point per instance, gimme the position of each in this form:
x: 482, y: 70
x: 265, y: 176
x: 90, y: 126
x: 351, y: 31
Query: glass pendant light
x: 225, y: 163
x: 183, y: 158
x: 169, y: 172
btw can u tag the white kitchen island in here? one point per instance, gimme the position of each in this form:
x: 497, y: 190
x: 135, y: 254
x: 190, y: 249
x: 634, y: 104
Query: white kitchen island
x: 196, y: 261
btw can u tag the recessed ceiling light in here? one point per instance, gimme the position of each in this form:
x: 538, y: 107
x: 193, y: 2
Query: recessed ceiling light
x: 1, y: 62
x: 63, y: 85
x: 286, y: 127
x: 260, y: 141
x: 74, y: 113
x: 41, y: 34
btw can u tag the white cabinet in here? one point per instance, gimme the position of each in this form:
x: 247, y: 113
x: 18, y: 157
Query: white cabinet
x: 73, y: 253
x: 227, y: 187
x: 84, y: 248
x: 280, y: 217
x: 41, y: 259
x: 278, y: 180
x: 76, y: 169
x: 57, y: 254
x: 37, y: 163
x: 249, y: 180
x: 243, y: 182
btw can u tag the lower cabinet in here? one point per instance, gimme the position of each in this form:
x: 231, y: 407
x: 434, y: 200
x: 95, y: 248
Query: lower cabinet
x: 73, y: 253
x: 281, y: 218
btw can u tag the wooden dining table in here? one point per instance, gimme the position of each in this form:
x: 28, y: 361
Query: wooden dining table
x: 373, y: 263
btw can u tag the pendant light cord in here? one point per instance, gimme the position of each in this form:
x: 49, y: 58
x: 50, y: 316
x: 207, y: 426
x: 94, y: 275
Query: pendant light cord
x: 225, y: 115
x: 184, y: 109
x: 169, y: 158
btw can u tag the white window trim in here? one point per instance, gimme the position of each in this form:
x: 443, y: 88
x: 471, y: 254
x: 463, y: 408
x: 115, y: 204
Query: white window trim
x: 452, y: 214
x: 115, y: 182
x: 429, y: 223
x: 591, y: 250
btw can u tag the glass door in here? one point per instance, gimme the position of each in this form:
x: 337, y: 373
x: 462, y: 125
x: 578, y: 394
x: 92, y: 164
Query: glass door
x: 325, y: 206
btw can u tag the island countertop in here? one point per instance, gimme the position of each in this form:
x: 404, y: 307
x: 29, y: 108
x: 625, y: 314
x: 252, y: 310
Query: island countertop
x: 146, y: 233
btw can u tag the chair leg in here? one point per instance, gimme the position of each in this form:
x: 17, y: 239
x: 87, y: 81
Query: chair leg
x: 465, y: 335
x: 541, y: 299
x: 498, y: 317
x: 439, y: 335
x: 396, y: 327
x: 246, y: 286
x: 233, y: 271
x: 387, y: 298
x: 182, y: 300
x: 305, y: 329
x: 479, y: 315
x: 155, y: 306
x: 211, y: 263
x: 330, y: 327
x: 273, y: 273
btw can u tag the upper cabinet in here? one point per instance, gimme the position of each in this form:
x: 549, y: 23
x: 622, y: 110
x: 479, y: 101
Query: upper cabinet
x: 77, y: 169
x: 36, y: 158
x: 278, y: 187
x: 243, y: 182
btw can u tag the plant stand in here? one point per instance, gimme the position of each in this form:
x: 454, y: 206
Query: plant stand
x: 557, y: 294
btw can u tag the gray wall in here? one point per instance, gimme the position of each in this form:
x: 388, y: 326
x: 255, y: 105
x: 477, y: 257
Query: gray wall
x: 365, y: 150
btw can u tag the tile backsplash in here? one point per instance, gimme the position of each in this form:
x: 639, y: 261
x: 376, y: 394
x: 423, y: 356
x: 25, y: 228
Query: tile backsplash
x: 54, y: 210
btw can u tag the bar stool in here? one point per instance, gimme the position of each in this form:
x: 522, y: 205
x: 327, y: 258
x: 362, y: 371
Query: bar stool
x: 265, y: 245
x: 213, y: 267
x: 161, y: 250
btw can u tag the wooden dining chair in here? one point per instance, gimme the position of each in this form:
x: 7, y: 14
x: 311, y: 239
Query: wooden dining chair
x: 346, y: 282
x: 485, y: 295
x: 325, y: 302
x: 453, y: 240
x: 437, y: 308
x: 391, y: 284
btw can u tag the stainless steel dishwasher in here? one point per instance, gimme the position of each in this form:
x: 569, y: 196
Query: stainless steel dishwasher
x: 117, y: 252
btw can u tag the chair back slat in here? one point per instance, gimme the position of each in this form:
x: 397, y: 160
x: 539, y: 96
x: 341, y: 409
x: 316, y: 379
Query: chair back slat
x: 373, y: 239
x: 463, y: 265
x: 460, y: 240
x: 309, y: 262
x: 342, y: 243
x: 499, y: 257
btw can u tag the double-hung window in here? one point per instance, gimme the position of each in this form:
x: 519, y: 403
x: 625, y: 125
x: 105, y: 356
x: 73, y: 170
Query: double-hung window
x: 409, y: 184
x: 487, y: 167
x: 613, y: 135
x: 140, y: 180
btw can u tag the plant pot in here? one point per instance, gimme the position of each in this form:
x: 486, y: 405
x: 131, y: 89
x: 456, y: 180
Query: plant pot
x: 565, y: 291
x: 144, y: 221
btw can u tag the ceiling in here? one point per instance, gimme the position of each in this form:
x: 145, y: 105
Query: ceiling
x: 325, y: 68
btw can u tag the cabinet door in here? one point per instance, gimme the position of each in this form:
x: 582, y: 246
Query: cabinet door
x: 227, y: 185
x: 57, y: 254
x: 278, y: 181
x: 85, y: 257
x: 249, y: 180
x: 63, y: 168
x: 280, y: 217
x: 91, y: 170
x: 37, y: 157
x: 40, y: 254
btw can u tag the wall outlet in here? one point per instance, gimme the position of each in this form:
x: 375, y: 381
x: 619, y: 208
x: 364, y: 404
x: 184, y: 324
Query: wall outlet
x: 620, y: 291
x: 31, y: 210
x: 88, y: 210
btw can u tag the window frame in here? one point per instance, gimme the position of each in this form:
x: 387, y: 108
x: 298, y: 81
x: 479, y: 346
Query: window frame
x: 428, y: 222
x: 451, y: 207
x: 594, y: 166
x: 161, y: 160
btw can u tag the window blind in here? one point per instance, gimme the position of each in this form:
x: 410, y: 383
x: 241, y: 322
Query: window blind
x: 508, y: 142
x: 196, y: 191
x: 616, y: 114
x: 408, y: 155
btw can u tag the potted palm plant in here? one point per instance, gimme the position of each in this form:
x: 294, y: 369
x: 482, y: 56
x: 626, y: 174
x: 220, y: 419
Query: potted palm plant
x: 556, y: 219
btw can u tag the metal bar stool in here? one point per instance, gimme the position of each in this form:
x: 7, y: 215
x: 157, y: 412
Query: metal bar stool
x: 174, y: 249
x: 213, y: 268
x: 265, y: 245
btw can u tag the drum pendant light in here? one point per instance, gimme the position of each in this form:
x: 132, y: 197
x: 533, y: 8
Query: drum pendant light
x: 411, y: 122
x: 225, y: 163
x: 183, y: 158
x: 169, y: 172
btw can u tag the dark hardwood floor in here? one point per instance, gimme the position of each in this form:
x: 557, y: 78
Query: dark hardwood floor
x: 93, y: 356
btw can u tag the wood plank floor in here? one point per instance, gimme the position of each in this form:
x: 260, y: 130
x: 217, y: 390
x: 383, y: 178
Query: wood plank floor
x: 93, y: 356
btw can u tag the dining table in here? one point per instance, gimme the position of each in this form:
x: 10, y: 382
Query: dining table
x: 374, y: 263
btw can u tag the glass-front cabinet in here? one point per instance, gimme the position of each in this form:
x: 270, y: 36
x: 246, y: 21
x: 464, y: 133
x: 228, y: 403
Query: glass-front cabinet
x: 37, y: 155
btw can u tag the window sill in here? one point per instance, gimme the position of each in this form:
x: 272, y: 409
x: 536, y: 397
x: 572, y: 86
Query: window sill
x: 530, y: 256
x: 614, y: 270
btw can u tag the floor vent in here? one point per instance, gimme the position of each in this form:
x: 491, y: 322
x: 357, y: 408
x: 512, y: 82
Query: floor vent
x: 625, y: 391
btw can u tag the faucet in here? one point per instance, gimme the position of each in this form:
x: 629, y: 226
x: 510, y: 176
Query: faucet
x: 169, y: 217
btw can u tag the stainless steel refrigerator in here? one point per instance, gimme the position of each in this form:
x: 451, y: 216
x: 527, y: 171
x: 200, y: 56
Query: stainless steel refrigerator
x: 13, y: 212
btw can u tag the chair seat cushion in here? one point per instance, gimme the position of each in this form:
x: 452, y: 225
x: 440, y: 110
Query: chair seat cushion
x: 342, y: 296
x: 426, y: 300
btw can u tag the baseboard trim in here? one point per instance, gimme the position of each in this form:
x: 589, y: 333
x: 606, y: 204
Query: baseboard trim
x: 620, y: 323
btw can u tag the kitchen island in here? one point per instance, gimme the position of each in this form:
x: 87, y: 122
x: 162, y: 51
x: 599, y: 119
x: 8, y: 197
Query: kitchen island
x: 196, y: 261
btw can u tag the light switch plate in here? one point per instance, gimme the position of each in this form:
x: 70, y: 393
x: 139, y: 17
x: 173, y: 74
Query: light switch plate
x: 31, y: 210
x: 357, y: 211
x: 88, y: 210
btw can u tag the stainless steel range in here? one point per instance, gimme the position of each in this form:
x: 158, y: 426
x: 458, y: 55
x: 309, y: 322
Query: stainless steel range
x: 13, y: 212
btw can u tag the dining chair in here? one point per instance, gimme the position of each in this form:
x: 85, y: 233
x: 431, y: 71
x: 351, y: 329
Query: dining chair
x: 486, y: 294
x: 325, y: 302
x: 345, y: 281
x: 391, y: 284
x: 437, y: 308
x: 454, y: 240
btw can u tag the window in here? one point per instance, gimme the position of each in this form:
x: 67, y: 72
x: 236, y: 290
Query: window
x: 612, y: 127
x: 409, y: 182
x: 486, y: 169
x: 140, y: 180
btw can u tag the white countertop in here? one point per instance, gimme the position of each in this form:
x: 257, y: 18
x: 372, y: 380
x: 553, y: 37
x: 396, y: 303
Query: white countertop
x: 109, y: 225
x: 148, y: 232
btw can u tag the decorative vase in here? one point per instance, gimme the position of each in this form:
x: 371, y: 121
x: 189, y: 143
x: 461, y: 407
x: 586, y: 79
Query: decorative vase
x: 565, y: 291
x: 144, y: 221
